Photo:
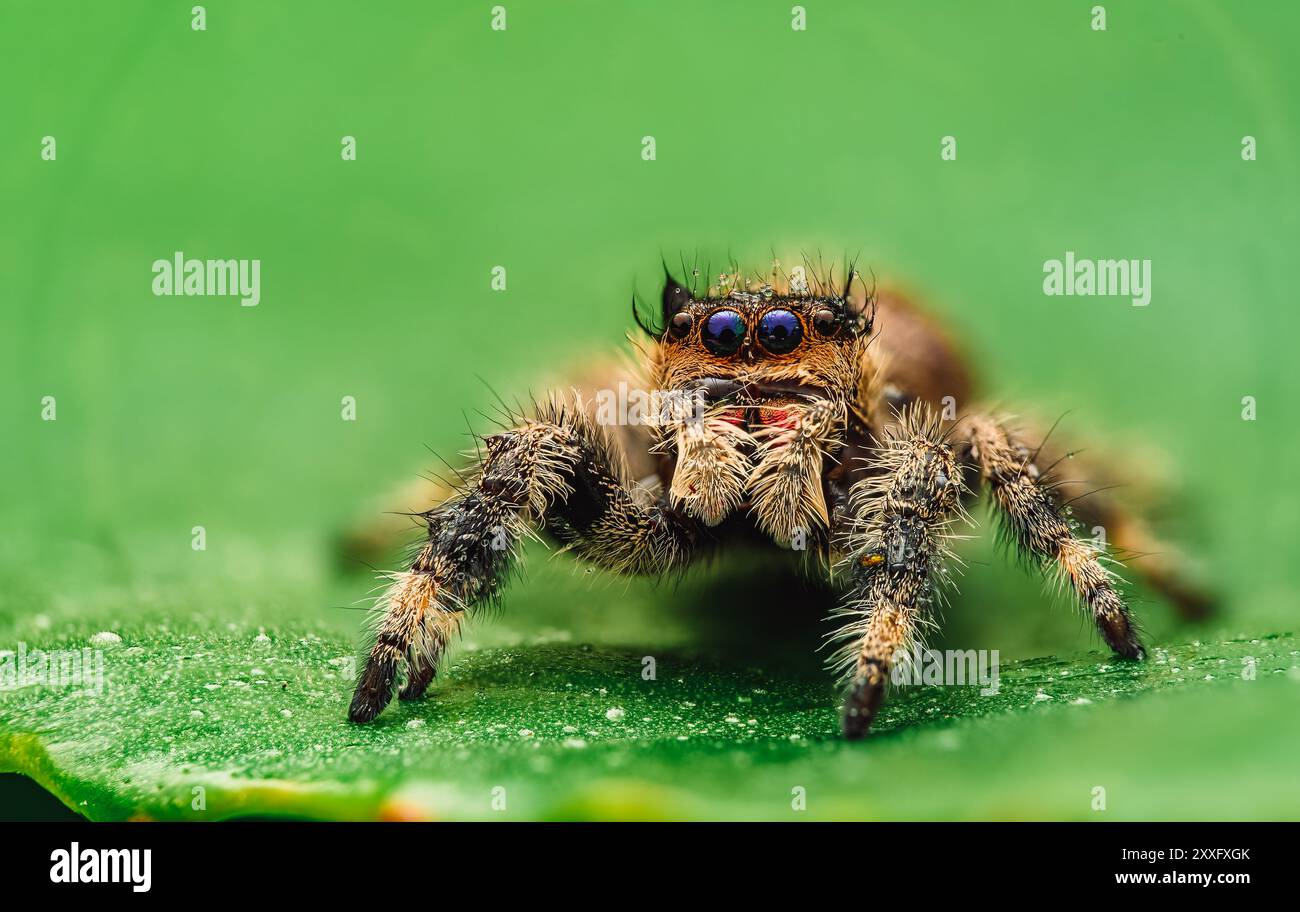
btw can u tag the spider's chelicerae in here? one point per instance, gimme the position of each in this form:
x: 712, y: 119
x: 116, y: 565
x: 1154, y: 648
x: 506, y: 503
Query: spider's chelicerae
x: 818, y: 414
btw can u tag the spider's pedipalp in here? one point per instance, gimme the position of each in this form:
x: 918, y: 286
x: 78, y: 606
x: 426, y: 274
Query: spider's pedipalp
x: 712, y: 468
x: 786, y: 481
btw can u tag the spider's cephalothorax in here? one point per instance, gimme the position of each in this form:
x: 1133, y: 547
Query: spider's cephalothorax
x: 824, y: 417
x: 778, y: 377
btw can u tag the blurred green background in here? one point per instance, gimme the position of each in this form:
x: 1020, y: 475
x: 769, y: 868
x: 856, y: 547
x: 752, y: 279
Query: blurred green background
x: 522, y: 148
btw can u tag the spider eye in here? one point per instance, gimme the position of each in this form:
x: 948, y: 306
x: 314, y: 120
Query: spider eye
x: 826, y: 322
x: 680, y: 324
x: 723, y: 332
x: 779, y: 331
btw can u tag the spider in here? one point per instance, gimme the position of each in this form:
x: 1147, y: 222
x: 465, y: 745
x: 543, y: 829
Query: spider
x: 805, y: 408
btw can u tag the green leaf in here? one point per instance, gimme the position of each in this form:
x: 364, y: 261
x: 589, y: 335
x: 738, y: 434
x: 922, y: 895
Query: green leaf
x: 192, y: 726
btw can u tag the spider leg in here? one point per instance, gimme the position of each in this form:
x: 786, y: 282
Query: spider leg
x: 895, y: 545
x: 1038, y: 524
x: 558, y: 471
x: 1114, y: 495
x: 389, y: 519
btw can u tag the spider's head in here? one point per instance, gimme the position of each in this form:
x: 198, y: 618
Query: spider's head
x: 762, y: 343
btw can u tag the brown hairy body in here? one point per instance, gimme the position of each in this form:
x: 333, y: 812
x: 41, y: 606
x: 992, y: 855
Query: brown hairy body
x: 828, y: 419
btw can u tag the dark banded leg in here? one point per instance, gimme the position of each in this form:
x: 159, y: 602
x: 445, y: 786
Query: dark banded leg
x: 420, y: 673
x: 1039, y: 527
x: 1090, y: 485
x: 557, y: 471
x: 895, y: 547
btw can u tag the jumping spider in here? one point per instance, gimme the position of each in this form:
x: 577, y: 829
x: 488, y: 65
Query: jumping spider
x: 822, y: 417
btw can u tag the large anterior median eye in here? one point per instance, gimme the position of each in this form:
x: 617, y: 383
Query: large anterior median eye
x: 779, y: 331
x: 723, y: 332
